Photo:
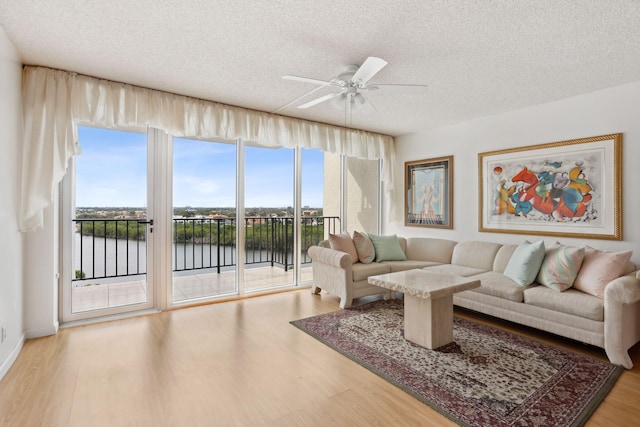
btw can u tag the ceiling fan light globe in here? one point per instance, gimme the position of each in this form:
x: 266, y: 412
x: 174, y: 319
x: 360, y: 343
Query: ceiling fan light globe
x: 338, y: 101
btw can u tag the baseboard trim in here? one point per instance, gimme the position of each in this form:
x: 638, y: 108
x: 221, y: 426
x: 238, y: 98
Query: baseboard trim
x: 13, y: 355
x: 44, y: 332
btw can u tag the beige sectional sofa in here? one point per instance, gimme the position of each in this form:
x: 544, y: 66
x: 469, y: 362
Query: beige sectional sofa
x: 612, y: 322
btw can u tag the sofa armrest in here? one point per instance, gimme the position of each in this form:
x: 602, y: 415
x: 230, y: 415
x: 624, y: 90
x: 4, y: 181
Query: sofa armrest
x: 332, y: 272
x: 329, y: 256
x: 624, y: 290
x: 622, y: 318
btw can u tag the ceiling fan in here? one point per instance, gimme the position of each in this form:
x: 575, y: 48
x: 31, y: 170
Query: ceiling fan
x: 351, y: 86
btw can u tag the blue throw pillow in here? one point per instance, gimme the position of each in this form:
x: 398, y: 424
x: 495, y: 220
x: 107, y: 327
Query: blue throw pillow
x: 525, y: 263
x: 387, y: 248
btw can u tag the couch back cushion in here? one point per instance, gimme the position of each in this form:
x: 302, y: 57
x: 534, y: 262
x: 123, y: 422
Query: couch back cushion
x: 403, y: 244
x: 502, y: 257
x: 475, y: 254
x: 630, y: 267
x: 430, y: 249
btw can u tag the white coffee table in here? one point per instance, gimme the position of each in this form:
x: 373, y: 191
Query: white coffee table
x: 428, y: 303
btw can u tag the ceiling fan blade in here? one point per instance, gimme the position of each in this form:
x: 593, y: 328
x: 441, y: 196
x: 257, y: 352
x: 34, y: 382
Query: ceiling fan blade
x: 295, y: 101
x: 368, y: 69
x: 398, y: 88
x: 308, y: 80
x: 320, y: 100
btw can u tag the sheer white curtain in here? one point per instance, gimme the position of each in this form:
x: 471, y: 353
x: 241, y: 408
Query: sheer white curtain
x: 54, y: 101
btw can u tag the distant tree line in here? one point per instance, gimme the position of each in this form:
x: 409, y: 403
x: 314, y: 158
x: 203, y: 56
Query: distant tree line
x: 113, y: 229
x: 276, y: 234
x: 272, y: 233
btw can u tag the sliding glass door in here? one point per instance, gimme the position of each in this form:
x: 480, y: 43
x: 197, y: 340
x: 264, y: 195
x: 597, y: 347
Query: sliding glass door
x: 269, y: 218
x: 107, y: 228
x: 153, y: 221
x: 204, y: 256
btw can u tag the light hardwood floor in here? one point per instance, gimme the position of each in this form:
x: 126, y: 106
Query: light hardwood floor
x: 236, y: 363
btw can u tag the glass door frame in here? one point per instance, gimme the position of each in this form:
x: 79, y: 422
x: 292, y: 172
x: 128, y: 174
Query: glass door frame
x: 67, y: 236
x: 159, y: 244
x: 175, y: 148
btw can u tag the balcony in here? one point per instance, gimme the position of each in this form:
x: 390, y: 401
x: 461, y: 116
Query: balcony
x: 110, y: 257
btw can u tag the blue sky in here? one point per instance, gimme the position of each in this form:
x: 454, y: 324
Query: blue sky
x: 111, y: 172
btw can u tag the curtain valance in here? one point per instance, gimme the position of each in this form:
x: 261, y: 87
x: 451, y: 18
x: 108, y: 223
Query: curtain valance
x: 54, y: 101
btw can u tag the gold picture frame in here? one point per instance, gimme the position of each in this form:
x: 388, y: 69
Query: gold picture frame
x: 568, y: 189
x: 428, y: 193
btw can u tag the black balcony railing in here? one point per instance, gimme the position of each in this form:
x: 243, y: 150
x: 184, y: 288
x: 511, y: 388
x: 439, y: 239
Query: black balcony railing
x: 117, y: 247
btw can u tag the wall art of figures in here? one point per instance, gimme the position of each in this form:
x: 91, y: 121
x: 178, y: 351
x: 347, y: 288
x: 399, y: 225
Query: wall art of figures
x: 429, y: 193
x: 568, y: 188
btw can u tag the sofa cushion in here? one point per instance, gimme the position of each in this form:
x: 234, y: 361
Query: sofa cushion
x: 408, y: 264
x: 430, y: 249
x: 560, y: 267
x: 342, y: 242
x: 362, y: 271
x: 599, y: 268
x: 455, y: 270
x: 364, y: 247
x: 498, y: 285
x: 387, y: 248
x: 403, y: 244
x: 502, y: 257
x: 570, y: 301
x: 524, y: 264
x: 474, y: 254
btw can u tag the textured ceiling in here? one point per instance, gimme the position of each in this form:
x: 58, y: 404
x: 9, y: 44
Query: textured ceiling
x: 477, y: 57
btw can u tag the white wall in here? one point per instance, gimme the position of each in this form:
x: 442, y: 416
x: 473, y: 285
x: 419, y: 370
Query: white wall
x: 41, y: 277
x: 362, y: 192
x: 11, y: 244
x: 615, y: 110
x: 362, y: 195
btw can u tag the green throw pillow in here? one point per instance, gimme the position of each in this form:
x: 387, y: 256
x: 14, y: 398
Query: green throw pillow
x: 387, y: 248
x: 525, y: 263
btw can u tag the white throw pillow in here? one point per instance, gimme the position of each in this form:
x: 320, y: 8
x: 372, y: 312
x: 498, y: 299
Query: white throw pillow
x: 525, y: 262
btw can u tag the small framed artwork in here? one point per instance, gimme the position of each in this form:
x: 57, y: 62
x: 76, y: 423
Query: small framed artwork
x: 567, y: 188
x: 428, y: 186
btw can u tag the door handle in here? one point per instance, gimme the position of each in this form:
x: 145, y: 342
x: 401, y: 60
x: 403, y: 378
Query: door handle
x: 150, y: 222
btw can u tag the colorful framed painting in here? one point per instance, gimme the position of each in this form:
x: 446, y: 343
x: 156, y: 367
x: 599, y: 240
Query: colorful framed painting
x: 568, y: 188
x: 429, y: 193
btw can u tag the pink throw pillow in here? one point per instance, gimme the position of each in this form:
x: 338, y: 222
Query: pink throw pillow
x: 598, y: 269
x: 342, y: 242
x: 366, y: 251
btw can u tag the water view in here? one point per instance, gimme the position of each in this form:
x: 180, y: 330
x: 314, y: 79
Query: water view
x: 114, y: 185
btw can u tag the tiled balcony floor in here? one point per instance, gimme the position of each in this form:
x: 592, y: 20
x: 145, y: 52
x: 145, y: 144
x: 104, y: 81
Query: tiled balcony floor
x: 186, y: 286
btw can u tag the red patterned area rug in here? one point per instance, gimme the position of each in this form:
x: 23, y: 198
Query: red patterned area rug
x: 486, y: 377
